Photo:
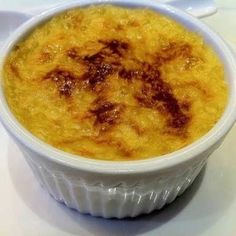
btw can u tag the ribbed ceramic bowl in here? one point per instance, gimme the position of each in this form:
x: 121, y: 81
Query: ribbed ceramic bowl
x: 120, y: 189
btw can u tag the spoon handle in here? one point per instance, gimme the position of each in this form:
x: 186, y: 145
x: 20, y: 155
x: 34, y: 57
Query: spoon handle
x: 197, y: 8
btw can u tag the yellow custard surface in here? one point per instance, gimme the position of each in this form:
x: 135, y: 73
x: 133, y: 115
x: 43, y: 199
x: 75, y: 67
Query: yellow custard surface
x: 113, y: 83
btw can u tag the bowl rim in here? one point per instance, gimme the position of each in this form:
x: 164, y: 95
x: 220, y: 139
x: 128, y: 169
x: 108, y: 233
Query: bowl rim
x: 176, y: 158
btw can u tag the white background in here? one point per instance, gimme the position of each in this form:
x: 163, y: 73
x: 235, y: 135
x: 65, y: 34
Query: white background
x: 207, y: 208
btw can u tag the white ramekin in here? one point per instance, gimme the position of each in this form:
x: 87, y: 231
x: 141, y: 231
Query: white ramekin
x: 120, y: 189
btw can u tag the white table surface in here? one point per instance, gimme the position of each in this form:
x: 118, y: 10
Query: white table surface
x: 208, y: 208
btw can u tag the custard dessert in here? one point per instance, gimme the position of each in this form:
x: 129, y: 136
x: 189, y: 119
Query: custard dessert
x: 114, y: 83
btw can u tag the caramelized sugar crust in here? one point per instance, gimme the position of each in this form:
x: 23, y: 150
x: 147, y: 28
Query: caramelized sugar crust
x: 116, y: 84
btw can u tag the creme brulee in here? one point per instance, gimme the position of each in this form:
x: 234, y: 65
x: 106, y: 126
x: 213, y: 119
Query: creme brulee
x: 112, y: 83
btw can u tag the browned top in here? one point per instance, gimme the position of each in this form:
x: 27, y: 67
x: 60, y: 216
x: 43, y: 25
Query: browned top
x: 155, y: 92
